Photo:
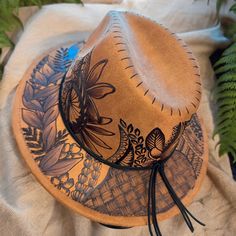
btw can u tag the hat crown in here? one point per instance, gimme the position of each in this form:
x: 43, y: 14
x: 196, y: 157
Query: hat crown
x: 127, y: 96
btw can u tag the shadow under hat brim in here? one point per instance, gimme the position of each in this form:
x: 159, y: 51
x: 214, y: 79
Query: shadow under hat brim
x: 79, y: 181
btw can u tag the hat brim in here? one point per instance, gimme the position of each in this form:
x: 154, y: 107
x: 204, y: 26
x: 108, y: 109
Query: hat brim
x: 91, y: 188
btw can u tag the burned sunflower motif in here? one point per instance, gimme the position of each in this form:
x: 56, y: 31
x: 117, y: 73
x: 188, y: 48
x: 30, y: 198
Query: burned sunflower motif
x: 78, y: 100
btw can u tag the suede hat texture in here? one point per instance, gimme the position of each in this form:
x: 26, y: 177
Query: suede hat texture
x: 96, y: 119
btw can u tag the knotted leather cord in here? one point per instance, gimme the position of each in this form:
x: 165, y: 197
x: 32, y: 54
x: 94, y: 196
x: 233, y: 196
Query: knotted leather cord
x: 159, y: 167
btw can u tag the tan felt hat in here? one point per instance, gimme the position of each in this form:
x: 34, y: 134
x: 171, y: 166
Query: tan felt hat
x: 109, y: 126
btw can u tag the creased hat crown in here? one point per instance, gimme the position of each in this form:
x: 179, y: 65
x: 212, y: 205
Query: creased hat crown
x: 129, y: 94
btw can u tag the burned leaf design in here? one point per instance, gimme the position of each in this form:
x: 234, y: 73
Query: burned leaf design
x: 62, y: 166
x: 95, y: 73
x: 100, y: 90
x: 123, y: 146
x: 137, y: 151
x: 99, y: 130
x: 34, y: 141
x: 28, y: 100
x: 78, y: 101
x: 32, y: 103
x: 41, y: 100
x: 40, y: 78
x: 131, y: 150
x: 46, y: 92
x: 31, y: 118
x: 155, y: 139
x: 55, y: 77
x: 50, y: 101
x: 49, y: 135
x: 128, y: 158
x: 123, y: 123
x: 50, y: 115
x: 130, y: 128
x: 155, y: 142
x: 61, y: 137
x: 51, y: 158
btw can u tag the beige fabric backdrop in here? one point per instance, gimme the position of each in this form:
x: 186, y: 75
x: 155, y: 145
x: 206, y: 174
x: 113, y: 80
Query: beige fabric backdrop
x: 25, y: 207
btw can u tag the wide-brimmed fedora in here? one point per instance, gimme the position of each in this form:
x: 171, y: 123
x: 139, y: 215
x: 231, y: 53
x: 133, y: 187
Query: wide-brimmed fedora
x: 109, y: 126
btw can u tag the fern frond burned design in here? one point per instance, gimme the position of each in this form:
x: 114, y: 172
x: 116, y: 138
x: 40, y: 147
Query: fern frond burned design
x: 40, y: 113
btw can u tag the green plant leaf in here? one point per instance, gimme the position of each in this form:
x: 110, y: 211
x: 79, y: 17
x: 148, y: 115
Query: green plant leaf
x: 18, y: 22
x: 32, y: 3
x: 228, y: 59
x: 1, y: 71
x: 10, y: 22
x: 233, y: 8
x: 226, y: 68
x: 225, y: 98
x: 5, y: 41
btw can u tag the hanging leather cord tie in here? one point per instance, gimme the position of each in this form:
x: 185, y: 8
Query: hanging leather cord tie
x: 159, y: 167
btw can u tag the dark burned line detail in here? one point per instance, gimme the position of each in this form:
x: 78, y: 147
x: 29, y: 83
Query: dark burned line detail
x: 133, y: 76
x: 120, y: 43
x: 124, y: 58
x: 187, y: 110
x: 139, y: 84
x: 129, y: 67
x: 179, y: 112
x: 116, y: 24
x: 146, y: 92
x: 121, y: 50
x: 162, y: 107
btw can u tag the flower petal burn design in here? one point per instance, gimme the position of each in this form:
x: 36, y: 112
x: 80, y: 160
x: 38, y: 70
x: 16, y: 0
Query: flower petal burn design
x: 101, y: 90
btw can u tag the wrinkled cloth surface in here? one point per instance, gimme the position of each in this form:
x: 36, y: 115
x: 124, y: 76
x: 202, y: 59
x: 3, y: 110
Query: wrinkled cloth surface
x: 26, y: 208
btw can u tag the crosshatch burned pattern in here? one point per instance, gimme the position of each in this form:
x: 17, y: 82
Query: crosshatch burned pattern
x: 121, y: 192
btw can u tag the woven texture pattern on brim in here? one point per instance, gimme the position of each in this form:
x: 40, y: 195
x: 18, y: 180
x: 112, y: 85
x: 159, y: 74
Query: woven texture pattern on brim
x: 125, y: 192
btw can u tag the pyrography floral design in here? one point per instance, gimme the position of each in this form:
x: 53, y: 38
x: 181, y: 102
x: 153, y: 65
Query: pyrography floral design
x: 78, y: 101
x: 56, y: 156
x: 71, y: 151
